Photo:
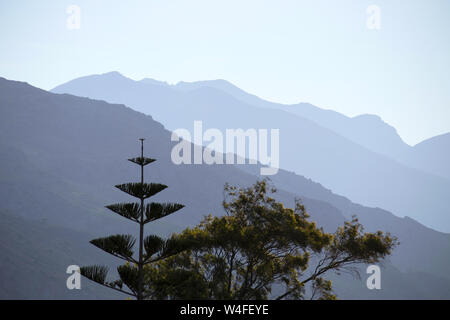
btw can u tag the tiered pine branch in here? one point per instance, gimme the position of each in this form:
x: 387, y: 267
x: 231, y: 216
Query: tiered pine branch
x: 151, y: 248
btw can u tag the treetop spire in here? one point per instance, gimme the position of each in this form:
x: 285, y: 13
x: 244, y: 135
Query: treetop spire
x: 121, y: 246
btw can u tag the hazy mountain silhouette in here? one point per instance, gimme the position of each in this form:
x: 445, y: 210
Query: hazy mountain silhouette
x: 34, y: 258
x: 367, y: 130
x: 62, y: 154
x: 434, y: 154
x: 306, y: 147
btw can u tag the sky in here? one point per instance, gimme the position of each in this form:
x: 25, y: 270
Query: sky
x: 340, y: 55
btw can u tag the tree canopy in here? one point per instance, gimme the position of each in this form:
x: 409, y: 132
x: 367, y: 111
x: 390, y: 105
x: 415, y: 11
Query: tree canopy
x: 262, y: 250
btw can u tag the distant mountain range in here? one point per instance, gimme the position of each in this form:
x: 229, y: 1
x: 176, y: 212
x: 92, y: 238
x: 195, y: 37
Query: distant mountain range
x: 361, y: 158
x: 62, y: 155
x: 431, y: 155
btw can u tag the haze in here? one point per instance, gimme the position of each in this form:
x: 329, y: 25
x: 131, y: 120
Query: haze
x: 285, y: 51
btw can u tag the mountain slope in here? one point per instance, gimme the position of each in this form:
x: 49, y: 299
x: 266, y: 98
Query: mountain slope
x: 366, y: 130
x: 433, y: 154
x: 62, y: 155
x: 369, y: 131
x: 305, y: 147
x: 34, y: 258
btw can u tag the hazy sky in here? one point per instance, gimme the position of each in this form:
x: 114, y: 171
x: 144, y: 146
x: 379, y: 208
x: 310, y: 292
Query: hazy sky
x: 314, y: 51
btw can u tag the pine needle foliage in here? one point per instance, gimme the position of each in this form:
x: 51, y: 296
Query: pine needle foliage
x: 150, y: 249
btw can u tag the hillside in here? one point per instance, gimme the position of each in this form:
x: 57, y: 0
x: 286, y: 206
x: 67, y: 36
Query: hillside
x: 306, y: 147
x: 62, y: 154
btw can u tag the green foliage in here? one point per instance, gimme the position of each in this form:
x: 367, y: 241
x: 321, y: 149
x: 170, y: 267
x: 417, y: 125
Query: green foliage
x: 141, y: 190
x: 130, y: 211
x: 154, y: 210
x: 178, y: 277
x: 258, y: 245
x: 153, y: 244
x: 118, y: 245
x: 95, y: 273
x: 129, y: 274
x: 142, y: 161
x: 157, y: 248
x: 367, y: 247
x: 322, y: 289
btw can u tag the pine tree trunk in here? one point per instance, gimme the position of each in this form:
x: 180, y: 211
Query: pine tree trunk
x: 141, y: 236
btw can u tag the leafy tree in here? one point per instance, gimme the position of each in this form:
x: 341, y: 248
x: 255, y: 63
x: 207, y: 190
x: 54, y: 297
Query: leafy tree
x: 151, y: 248
x: 260, y: 247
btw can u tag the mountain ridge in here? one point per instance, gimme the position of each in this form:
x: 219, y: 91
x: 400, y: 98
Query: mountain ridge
x: 93, y: 136
x: 348, y: 168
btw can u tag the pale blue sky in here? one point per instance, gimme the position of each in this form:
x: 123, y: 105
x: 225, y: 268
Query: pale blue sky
x: 286, y: 51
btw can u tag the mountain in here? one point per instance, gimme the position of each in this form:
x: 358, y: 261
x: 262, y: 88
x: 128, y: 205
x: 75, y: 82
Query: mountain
x: 306, y: 147
x: 62, y: 154
x: 35, y: 257
x: 412, y: 235
x: 434, y: 154
x: 367, y: 130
